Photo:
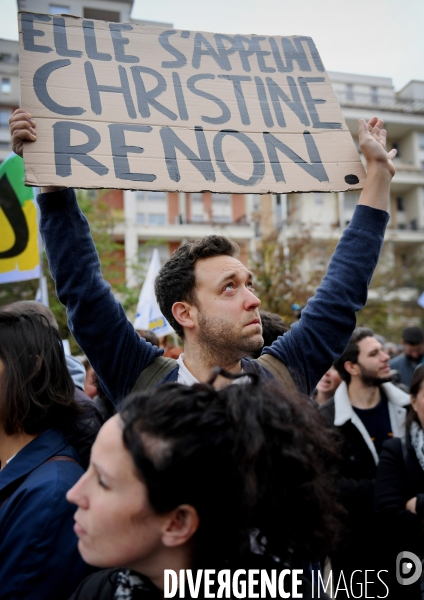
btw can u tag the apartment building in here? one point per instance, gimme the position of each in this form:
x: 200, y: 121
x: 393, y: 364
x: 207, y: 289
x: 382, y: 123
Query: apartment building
x: 9, y: 90
x: 326, y: 215
x: 171, y: 218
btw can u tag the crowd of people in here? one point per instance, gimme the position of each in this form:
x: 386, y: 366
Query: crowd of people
x: 259, y: 447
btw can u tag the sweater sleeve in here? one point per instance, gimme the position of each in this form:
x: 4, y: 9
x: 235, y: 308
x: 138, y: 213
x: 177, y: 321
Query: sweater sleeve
x: 96, y: 319
x: 329, y: 318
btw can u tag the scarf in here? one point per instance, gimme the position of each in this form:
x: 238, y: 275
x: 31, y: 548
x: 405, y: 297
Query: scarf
x: 130, y: 586
x: 417, y: 440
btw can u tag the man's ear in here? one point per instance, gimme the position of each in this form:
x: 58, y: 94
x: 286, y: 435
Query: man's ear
x: 183, y: 314
x: 180, y: 526
x: 351, y: 368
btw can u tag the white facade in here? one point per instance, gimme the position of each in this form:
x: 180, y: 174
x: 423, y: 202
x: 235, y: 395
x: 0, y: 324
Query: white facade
x: 9, y: 91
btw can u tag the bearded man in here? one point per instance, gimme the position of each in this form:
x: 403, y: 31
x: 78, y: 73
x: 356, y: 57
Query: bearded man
x: 207, y: 294
x: 366, y: 410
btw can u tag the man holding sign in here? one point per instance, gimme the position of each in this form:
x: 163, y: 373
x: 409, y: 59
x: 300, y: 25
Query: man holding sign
x: 140, y: 107
x: 206, y: 293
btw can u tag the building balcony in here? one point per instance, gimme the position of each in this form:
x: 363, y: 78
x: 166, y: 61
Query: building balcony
x: 239, y: 230
x: 380, y: 102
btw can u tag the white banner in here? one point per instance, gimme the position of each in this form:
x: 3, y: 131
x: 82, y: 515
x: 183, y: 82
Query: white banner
x: 149, y: 316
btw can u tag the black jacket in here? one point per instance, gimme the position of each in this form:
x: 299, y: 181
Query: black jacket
x: 400, y: 478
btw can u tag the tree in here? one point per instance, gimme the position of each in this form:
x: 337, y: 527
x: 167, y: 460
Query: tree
x: 397, y: 282
x: 288, y: 269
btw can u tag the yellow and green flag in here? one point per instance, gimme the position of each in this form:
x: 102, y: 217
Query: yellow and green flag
x: 19, y: 250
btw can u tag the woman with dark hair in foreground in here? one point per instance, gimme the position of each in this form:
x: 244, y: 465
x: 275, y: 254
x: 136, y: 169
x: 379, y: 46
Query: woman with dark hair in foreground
x: 194, y: 478
x: 39, y: 558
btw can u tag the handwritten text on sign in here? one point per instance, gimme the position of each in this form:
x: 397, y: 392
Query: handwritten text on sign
x: 136, y: 107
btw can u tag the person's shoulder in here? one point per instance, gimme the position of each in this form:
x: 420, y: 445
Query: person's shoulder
x: 397, y: 360
x: 98, y: 586
x: 57, y: 474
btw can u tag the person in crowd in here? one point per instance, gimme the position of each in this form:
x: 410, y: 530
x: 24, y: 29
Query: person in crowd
x: 90, y: 384
x: 80, y: 430
x: 399, y: 491
x: 38, y: 550
x: 207, y: 294
x: 272, y: 327
x: 327, y: 386
x: 366, y: 411
x: 149, y: 336
x: 412, y: 356
x: 96, y: 392
x: 199, y: 491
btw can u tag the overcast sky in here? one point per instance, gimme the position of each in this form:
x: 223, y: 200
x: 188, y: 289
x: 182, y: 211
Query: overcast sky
x: 372, y: 37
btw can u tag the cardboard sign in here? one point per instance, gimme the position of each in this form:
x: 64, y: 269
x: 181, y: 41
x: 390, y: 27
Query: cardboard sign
x: 137, y: 107
x: 19, y: 251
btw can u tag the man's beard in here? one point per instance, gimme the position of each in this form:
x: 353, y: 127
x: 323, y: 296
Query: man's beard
x: 370, y: 380
x: 222, y: 345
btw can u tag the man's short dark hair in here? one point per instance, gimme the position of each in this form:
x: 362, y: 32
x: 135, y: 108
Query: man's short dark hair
x: 176, y: 281
x: 413, y: 336
x: 352, y: 352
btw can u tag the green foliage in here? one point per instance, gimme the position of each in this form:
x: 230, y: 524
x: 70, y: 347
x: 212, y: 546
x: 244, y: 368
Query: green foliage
x: 282, y: 277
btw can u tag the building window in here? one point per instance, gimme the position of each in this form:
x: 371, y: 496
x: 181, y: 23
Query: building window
x: 196, y: 198
x: 400, y: 204
x: 349, y: 92
x: 58, y: 9
x: 395, y: 146
x: 102, y: 15
x: 374, y: 94
x: 150, y: 196
x: 5, y: 85
x: 350, y: 201
x: 156, y: 219
x: 222, y: 218
x: 140, y: 219
x: 4, y: 118
x: 421, y: 140
x: 155, y: 196
x: 221, y: 198
x: 319, y: 199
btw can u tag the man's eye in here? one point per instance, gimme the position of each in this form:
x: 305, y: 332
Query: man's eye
x: 229, y: 286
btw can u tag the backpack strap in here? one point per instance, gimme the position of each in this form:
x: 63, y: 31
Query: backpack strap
x: 154, y: 373
x: 280, y: 372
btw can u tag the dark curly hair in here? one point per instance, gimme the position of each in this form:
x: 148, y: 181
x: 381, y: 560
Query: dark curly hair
x: 256, y: 464
x: 36, y: 391
x: 176, y: 281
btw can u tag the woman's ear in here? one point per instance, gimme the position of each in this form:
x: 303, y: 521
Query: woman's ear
x: 180, y: 525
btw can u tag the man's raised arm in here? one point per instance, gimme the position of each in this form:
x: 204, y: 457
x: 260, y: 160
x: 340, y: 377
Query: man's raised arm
x: 96, y: 319
x: 329, y: 318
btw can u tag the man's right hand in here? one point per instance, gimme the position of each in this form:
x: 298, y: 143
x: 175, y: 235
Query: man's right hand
x: 22, y: 129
